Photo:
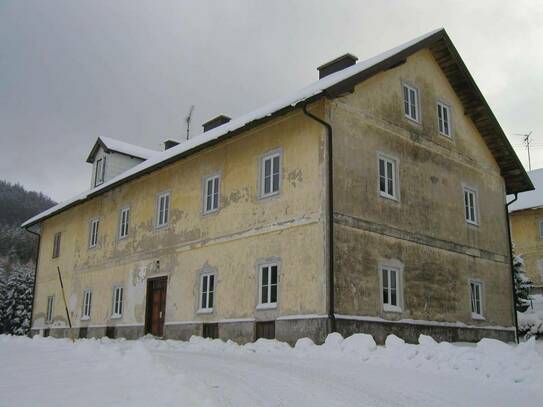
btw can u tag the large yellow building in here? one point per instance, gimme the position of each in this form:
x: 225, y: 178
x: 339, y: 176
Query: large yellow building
x: 371, y: 201
x: 526, y: 214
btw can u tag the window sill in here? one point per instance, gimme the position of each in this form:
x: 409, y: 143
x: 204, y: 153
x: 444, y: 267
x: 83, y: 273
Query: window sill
x: 470, y: 223
x: 416, y: 122
x: 391, y: 308
x: 205, y: 311
x: 263, y: 197
x: 121, y: 238
x: 210, y: 212
x: 266, y: 306
x: 477, y: 317
x: 85, y: 318
x: 447, y: 136
x: 116, y: 316
x: 160, y: 227
x: 387, y: 196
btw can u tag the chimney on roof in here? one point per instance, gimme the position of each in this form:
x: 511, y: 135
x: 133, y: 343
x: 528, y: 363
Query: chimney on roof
x: 215, y: 122
x: 170, y: 143
x: 337, y: 64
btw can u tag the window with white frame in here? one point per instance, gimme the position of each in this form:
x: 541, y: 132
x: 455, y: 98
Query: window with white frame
x: 540, y: 224
x: 476, y: 297
x: 268, y: 285
x: 211, y: 194
x: 87, y: 303
x: 411, y: 102
x: 387, y: 177
x: 49, y: 311
x: 124, y: 217
x: 117, y: 302
x: 270, y: 176
x: 93, y: 232
x: 444, y: 119
x: 100, y: 169
x: 56, y: 245
x: 391, y: 288
x: 470, y: 206
x: 163, y: 209
x: 207, y: 291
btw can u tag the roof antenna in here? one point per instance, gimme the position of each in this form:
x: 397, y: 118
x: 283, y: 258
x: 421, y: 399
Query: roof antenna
x: 527, y: 142
x: 187, y: 120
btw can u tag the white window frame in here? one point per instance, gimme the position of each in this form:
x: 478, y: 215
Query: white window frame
x: 87, y: 305
x: 269, y: 303
x: 270, y: 157
x: 209, y: 304
x: 214, y: 195
x: 540, y: 228
x: 474, y: 284
x: 163, y: 213
x: 56, y: 244
x: 100, y: 171
x: 118, y: 302
x: 124, y: 222
x: 441, y: 121
x: 49, y: 312
x: 408, y: 114
x: 94, y: 227
x: 387, y: 305
x: 471, y: 218
x: 395, y: 179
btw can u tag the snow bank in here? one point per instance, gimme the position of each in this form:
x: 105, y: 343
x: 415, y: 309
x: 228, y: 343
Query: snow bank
x: 530, y: 322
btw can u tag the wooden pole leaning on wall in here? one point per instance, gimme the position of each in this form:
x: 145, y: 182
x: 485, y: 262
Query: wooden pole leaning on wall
x: 65, y: 305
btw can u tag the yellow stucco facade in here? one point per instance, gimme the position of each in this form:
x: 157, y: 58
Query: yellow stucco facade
x: 528, y: 241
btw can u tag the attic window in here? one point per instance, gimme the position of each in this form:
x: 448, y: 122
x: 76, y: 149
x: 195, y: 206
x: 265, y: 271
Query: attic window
x: 99, y: 171
x: 411, y: 102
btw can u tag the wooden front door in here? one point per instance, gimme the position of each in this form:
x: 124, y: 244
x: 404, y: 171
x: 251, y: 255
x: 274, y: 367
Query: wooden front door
x: 156, y: 306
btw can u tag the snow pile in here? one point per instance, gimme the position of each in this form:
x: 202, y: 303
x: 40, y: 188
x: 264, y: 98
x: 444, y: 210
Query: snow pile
x: 530, y: 322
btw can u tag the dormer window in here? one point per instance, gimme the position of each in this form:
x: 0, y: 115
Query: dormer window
x: 99, y: 171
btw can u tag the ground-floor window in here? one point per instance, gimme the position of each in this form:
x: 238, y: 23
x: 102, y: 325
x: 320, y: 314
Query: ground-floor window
x: 476, y: 297
x: 268, y: 285
x: 117, y: 302
x: 207, y: 290
x: 87, y: 303
x: 50, y: 304
x: 390, y: 280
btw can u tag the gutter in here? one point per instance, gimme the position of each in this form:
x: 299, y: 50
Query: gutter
x: 515, y: 317
x: 35, y: 277
x: 330, y: 210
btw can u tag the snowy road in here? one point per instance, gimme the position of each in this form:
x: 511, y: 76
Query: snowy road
x: 49, y: 372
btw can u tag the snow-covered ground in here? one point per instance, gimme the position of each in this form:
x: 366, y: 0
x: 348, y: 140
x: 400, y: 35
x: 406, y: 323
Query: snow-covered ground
x: 350, y: 372
x: 531, y: 321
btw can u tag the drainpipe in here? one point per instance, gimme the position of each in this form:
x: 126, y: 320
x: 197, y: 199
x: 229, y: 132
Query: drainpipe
x: 35, y: 277
x: 511, y: 263
x: 331, y: 314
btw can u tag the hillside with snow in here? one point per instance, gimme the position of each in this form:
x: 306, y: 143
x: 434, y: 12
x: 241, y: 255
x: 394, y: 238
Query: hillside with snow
x: 351, y: 372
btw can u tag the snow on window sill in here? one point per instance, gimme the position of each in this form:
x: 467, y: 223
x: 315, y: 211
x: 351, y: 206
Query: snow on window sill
x: 472, y: 223
x: 388, y: 196
x: 116, y: 316
x: 85, y: 318
x: 267, y: 306
x: 391, y: 308
x: 477, y: 317
x: 205, y: 311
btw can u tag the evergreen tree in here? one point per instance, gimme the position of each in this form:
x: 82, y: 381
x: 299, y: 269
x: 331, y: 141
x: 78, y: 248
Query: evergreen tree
x: 522, y: 284
x: 17, y: 300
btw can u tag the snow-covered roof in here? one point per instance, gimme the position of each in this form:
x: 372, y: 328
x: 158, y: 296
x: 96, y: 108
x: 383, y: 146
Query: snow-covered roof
x: 122, y: 147
x: 331, y: 85
x: 531, y: 199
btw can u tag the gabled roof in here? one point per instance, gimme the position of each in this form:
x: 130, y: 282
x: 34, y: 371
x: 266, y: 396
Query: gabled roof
x: 531, y: 199
x: 331, y: 86
x: 117, y: 146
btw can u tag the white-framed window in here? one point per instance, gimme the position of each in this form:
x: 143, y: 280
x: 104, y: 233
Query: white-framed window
x: 87, y: 304
x: 207, y: 292
x: 93, y: 232
x: 388, y: 179
x: 56, y: 245
x: 411, y: 102
x: 163, y: 209
x: 99, y: 171
x: 267, y: 292
x: 118, y: 293
x: 391, y: 284
x: 124, y: 217
x: 211, y: 193
x: 471, y: 212
x: 49, y: 311
x: 270, y: 177
x: 540, y: 225
x: 476, y: 298
x: 444, y: 119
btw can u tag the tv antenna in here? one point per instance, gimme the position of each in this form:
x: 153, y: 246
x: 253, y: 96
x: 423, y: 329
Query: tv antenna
x: 526, y: 140
x: 188, y: 119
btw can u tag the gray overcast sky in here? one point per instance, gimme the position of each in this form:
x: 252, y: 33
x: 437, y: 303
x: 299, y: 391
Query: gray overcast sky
x: 74, y: 70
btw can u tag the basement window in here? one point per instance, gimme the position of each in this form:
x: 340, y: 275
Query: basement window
x: 444, y: 119
x: 211, y: 194
x: 93, y: 233
x: 388, y: 179
x: 49, y: 312
x: 207, y: 291
x: 270, y: 176
x: 117, y: 302
x: 391, y: 289
x: 87, y: 303
x: 267, y: 293
x: 411, y: 102
x: 476, y: 297
x: 163, y: 209
x: 124, y: 217
x: 56, y: 245
x: 471, y: 212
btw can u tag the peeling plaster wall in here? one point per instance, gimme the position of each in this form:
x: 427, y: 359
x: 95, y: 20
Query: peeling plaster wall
x: 424, y: 230
x: 246, y: 229
x: 525, y: 235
